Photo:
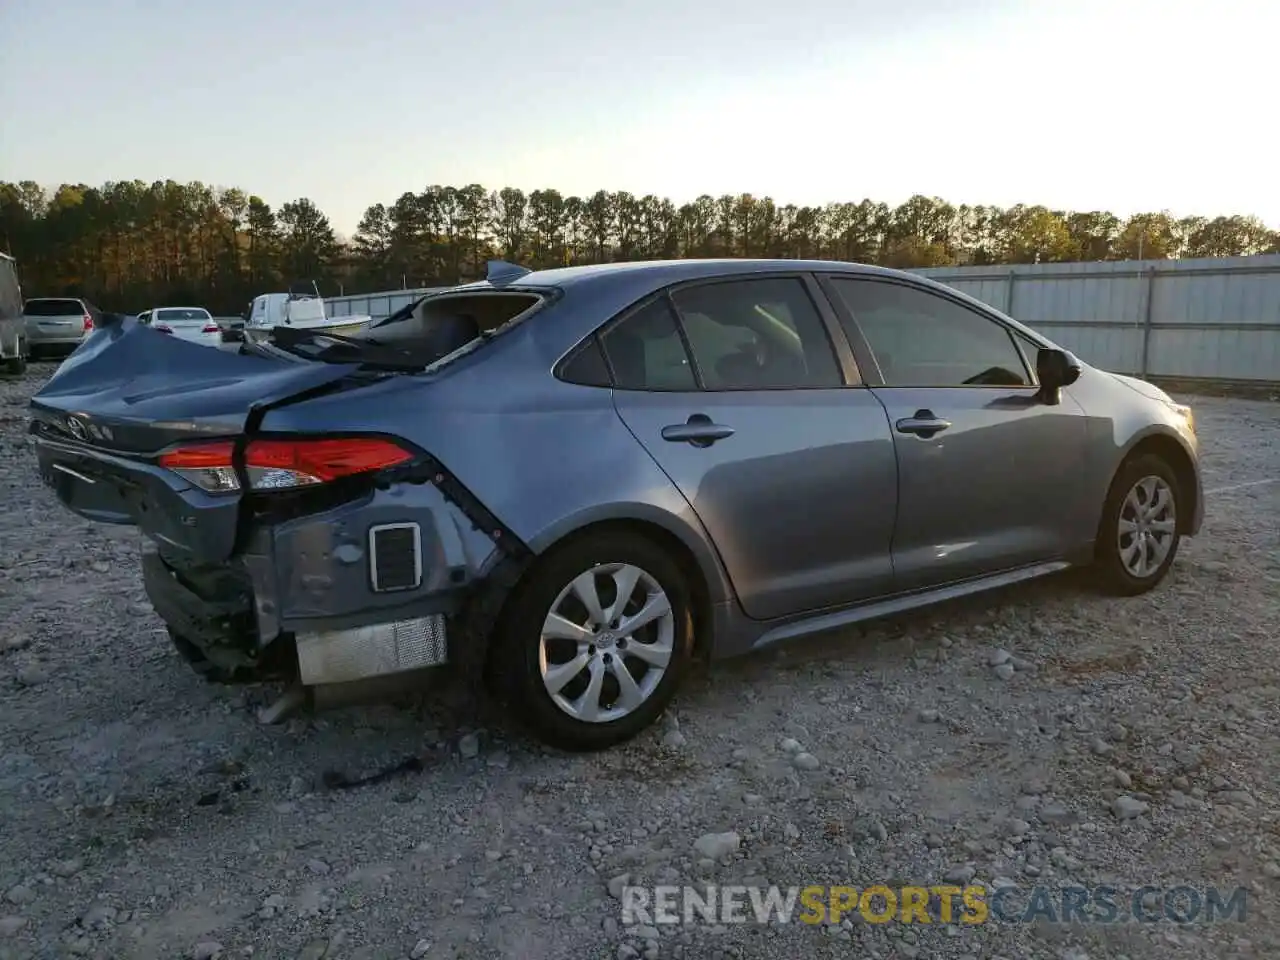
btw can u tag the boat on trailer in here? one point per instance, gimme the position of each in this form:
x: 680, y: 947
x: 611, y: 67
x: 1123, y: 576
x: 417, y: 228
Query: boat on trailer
x: 301, y: 308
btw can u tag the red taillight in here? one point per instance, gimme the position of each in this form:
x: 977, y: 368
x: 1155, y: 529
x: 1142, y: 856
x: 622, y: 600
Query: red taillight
x: 88, y: 322
x: 283, y: 464
x: 209, y: 328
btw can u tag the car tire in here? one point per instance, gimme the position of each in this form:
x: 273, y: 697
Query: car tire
x: 15, y: 366
x: 517, y: 657
x: 1133, y: 514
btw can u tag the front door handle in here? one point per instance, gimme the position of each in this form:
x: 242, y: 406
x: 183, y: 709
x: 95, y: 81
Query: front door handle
x: 923, y: 424
x: 698, y: 430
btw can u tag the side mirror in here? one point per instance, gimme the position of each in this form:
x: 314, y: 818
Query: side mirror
x: 1055, y: 369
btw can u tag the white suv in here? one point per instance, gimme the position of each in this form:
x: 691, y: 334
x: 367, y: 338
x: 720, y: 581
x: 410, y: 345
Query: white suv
x: 57, y: 324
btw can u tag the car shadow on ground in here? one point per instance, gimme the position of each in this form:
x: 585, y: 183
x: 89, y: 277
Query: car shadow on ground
x: 440, y: 701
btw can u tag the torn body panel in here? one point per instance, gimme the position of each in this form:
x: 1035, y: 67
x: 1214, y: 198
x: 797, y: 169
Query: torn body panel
x: 128, y: 393
x: 264, y: 583
x: 324, y: 564
x: 308, y: 584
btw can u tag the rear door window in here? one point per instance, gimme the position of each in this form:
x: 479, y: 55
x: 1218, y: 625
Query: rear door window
x: 757, y: 334
x: 646, y: 351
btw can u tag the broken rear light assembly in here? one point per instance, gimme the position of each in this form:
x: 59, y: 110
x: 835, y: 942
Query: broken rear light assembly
x: 162, y: 328
x: 283, y: 464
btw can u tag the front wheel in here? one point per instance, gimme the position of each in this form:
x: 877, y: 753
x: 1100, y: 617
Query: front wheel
x: 595, y: 641
x: 1138, y: 538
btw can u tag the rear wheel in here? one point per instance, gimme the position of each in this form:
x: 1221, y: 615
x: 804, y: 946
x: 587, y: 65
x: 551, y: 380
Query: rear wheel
x: 595, y: 641
x: 1138, y: 538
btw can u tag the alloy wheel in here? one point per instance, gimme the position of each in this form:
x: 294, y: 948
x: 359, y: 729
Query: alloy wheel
x: 1147, y: 527
x: 606, y: 642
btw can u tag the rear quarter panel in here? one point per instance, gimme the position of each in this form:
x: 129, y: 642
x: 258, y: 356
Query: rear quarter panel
x: 545, y: 457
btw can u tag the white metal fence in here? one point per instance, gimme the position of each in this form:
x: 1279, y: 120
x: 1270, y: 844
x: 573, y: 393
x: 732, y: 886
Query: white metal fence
x: 1214, y: 319
x: 376, y: 305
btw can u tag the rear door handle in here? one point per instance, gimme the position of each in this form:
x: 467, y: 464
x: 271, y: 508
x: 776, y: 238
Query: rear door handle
x: 923, y: 424
x: 698, y: 430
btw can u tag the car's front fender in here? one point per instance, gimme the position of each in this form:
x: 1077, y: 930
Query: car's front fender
x: 1125, y: 415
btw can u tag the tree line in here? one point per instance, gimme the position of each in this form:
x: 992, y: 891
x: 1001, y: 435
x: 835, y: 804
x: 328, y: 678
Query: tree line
x: 130, y: 245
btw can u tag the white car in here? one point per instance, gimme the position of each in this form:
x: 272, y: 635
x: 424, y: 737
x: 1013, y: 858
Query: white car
x: 186, y: 323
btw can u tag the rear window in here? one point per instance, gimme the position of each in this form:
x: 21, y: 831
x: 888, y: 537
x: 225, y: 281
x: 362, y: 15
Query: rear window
x: 443, y: 324
x: 53, y: 308
x: 420, y: 336
x: 187, y: 314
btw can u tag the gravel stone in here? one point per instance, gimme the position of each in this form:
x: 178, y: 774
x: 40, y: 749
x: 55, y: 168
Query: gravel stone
x: 20, y: 895
x: 616, y: 885
x: 805, y: 761
x: 1127, y: 808
x: 714, y: 846
x: 11, y: 925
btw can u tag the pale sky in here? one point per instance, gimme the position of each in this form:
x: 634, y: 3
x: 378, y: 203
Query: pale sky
x: 1127, y: 105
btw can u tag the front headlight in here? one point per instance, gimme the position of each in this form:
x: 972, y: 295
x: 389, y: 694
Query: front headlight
x: 1184, y: 412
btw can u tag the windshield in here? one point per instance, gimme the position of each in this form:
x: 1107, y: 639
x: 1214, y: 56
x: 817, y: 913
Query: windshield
x: 182, y: 315
x: 53, y: 308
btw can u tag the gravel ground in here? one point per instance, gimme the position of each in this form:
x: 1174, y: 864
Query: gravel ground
x: 146, y: 814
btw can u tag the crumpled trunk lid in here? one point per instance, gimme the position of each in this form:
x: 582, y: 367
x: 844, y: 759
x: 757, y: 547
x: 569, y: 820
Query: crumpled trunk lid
x: 130, y: 392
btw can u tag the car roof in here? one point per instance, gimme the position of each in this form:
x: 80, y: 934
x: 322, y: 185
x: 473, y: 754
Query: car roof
x: 663, y: 272
x: 610, y: 287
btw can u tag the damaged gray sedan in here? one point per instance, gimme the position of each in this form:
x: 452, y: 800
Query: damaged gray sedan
x: 570, y: 483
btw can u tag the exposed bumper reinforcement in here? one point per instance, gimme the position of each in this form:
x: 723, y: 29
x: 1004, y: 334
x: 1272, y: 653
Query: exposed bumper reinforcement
x: 204, y: 622
x: 340, y: 656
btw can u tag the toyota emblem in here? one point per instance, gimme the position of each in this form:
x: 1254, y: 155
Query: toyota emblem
x: 77, y: 429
